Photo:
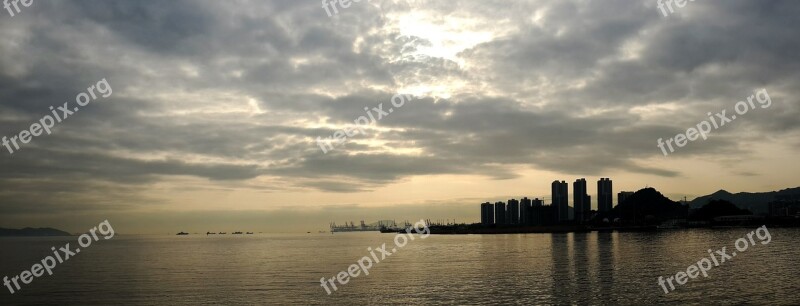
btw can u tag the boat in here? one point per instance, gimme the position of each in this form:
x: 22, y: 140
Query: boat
x: 210, y: 233
x: 236, y: 233
x: 249, y: 233
x: 182, y: 234
x: 223, y: 233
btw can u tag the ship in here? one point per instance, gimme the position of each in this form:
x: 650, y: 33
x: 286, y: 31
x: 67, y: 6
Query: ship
x: 236, y: 233
x: 182, y: 234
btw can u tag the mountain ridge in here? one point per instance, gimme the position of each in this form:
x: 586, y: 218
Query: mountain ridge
x: 756, y: 202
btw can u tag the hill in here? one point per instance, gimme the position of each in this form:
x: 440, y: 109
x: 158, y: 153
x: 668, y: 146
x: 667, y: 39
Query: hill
x: 32, y: 232
x: 756, y: 202
x: 649, y: 206
x: 717, y: 208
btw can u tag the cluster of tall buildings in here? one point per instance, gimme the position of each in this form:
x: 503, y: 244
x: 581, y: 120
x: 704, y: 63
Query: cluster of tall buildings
x: 534, y: 212
x: 518, y: 212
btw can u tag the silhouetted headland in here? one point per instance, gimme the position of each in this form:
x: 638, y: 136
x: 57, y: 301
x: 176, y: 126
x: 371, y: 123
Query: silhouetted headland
x: 32, y: 232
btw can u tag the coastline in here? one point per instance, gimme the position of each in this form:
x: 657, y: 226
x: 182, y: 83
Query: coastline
x: 478, y: 229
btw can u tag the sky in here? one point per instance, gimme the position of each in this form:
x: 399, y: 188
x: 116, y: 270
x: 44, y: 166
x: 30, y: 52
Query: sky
x: 215, y: 108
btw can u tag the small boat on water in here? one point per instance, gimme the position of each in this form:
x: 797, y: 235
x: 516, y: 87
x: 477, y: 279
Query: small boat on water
x: 223, y: 233
x: 237, y: 233
x: 249, y: 233
x: 210, y: 233
x: 182, y: 234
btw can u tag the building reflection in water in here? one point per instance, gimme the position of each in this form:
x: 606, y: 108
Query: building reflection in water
x: 583, y: 266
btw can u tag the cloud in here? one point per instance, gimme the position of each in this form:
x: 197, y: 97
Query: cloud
x: 237, y: 92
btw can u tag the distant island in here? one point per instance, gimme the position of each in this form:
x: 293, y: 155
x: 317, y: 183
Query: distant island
x: 32, y: 232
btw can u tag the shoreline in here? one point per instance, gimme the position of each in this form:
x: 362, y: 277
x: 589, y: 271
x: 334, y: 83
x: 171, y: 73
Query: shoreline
x: 477, y: 229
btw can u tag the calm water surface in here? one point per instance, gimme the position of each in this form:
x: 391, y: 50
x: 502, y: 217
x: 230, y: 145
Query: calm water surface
x: 559, y: 269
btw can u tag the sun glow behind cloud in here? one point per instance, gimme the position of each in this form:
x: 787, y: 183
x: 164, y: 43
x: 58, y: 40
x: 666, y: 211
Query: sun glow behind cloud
x: 444, y: 37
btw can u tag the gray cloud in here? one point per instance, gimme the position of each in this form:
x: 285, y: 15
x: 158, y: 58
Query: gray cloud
x: 237, y: 91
